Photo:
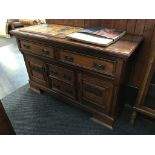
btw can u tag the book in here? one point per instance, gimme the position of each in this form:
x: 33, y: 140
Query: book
x: 90, y: 39
x: 99, y: 36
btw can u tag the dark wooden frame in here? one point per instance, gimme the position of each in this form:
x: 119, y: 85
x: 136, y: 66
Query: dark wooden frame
x: 5, y: 125
x: 139, y: 106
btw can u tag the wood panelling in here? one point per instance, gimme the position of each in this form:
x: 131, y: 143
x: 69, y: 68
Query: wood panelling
x: 142, y: 27
x: 86, y: 22
x: 140, y: 106
x: 139, y: 28
x: 123, y: 24
x: 106, y: 22
x: 79, y: 22
x: 96, y: 22
x: 149, y: 73
x: 131, y: 24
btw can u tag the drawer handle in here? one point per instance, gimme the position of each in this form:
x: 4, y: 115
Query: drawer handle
x: 44, y: 51
x: 67, y: 77
x: 92, y: 90
x: 68, y: 58
x: 56, y: 86
x: 54, y: 72
x: 37, y: 69
x: 26, y: 46
x: 99, y: 66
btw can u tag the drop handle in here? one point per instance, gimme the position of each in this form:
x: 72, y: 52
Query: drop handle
x: 99, y: 66
x: 69, y: 58
x: 26, y: 46
x: 44, y: 51
x: 54, y: 72
x: 56, y: 86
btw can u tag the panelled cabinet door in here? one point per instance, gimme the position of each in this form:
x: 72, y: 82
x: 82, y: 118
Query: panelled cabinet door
x: 61, y: 80
x: 37, y: 70
x: 96, y: 92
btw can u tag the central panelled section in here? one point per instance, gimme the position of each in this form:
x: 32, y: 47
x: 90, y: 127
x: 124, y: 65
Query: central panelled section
x: 65, y: 72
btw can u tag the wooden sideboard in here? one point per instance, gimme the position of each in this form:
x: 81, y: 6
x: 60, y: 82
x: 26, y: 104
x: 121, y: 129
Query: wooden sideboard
x: 84, y: 75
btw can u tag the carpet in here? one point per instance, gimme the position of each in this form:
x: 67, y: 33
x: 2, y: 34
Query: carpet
x: 41, y: 114
x: 7, y: 41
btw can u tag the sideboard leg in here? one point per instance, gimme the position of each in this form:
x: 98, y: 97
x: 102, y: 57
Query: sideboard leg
x: 103, y: 120
x: 36, y: 90
x: 133, y: 117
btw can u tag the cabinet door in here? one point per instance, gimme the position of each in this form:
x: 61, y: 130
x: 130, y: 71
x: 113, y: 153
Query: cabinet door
x: 37, y: 70
x: 62, y: 87
x: 61, y: 73
x: 96, y: 92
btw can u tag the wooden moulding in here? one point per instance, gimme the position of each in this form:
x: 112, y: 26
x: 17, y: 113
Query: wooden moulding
x: 146, y: 111
x: 103, y: 120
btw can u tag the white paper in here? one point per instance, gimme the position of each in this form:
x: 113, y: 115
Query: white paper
x: 90, y: 38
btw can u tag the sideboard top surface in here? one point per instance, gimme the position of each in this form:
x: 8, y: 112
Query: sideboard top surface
x: 123, y: 48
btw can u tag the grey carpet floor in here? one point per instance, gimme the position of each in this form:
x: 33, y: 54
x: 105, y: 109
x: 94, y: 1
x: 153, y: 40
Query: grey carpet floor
x: 13, y: 73
x: 42, y: 114
x: 7, y: 41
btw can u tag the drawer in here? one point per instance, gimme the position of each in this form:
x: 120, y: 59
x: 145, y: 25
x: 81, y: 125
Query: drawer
x: 62, y: 87
x: 97, y: 91
x: 98, y: 65
x: 61, y: 74
x: 37, y: 48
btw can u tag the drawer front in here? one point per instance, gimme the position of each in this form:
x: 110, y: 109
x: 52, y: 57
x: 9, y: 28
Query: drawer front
x: 61, y: 74
x: 96, y: 91
x: 62, y: 87
x: 37, y: 49
x: 98, y: 65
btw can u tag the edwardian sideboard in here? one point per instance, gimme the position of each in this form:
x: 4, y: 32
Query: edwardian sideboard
x: 85, y: 75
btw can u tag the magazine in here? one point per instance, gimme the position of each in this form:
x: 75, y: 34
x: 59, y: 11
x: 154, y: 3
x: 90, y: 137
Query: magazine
x: 104, y: 32
x: 99, y: 36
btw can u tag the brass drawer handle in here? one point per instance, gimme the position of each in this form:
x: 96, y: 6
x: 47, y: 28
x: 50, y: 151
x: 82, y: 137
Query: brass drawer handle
x: 45, y: 51
x: 92, y: 90
x: 54, y: 72
x: 56, y: 86
x: 26, y: 46
x: 68, y: 58
x: 99, y: 66
x: 37, y: 69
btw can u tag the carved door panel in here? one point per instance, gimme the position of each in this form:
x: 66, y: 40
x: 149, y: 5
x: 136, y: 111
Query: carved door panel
x: 37, y: 70
x: 96, y: 91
